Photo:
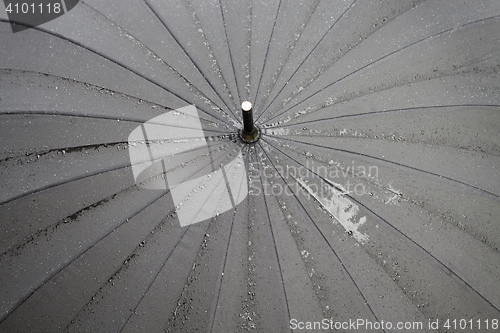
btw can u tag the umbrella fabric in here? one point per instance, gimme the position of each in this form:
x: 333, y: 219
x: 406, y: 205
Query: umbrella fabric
x: 128, y: 201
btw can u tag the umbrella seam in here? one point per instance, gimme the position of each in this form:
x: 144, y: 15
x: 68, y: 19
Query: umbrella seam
x: 323, y: 236
x: 163, y: 61
x: 72, y: 179
x: 133, y: 71
x: 211, y: 321
x: 365, y: 67
x: 403, y: 84
x: 267, y: 51
x: 300, y: 65
x: 395, y: 163
x: 54, y: 273
x: 387, y: 111
x: 405, y: 236
x: 154, y: 279
x: 190, y: 58
x: 277, y: 73
x: 230, y: 53
x: 274, y: 241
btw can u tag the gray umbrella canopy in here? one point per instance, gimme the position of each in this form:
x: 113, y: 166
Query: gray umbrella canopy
x: 129, y: 202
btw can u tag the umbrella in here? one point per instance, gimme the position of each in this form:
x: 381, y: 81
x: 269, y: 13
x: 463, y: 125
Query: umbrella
x: 131, y: 198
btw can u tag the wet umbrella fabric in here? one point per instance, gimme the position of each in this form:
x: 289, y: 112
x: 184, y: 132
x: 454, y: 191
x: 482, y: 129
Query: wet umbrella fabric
x: 372, y: 193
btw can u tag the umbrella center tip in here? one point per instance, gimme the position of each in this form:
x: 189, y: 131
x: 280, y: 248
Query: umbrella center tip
x: 246, y: 106
x: 250, y: 133
x: 251, y: 137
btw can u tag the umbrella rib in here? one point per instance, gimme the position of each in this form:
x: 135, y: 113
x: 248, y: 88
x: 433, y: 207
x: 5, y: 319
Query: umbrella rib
x: 282, y: 66
x: 305, y: 59
x: 123, y: 264
x: 116, y: 62
x: 352, y: 137
x: 220, y: 181
x: 267, y: 52
x: 414, y: 109
x: 221, y: 278
x: 218, y: 70
x: 420, y: 80
x: 159, y: 271
x: 380, y: 59
x: 249, y: 235
x: 190, y: 58
x: 98, y: 145
x: 274, y: 239
x: 88, y: 248
x: 391, y: 162
x: 47, y: 187
x: 78, y: 81
x: 421, y: 248
x: 188, y: 275
x: 391, y: 111
x: 55, y: 272
x: 84, y: 208
x: 163, y: 61
x: 101, y: 117
x: 99, y: 88
x: 249, y: 45
x: 319, y: 230
x: 343, y: 55
x: 212, y: 315
x: 181, y: 237
x: 230, y: 53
